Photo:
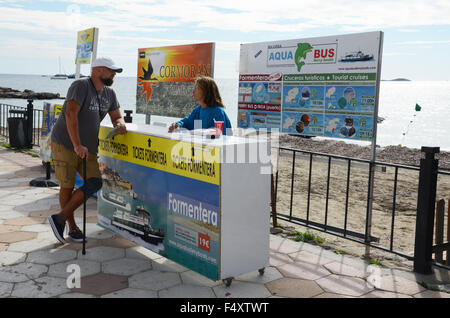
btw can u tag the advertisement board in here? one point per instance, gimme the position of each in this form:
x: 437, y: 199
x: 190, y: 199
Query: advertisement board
x: 154, y: 194
x: 50, y: 113
x: 325, y: 86
x: 166, y: 77
x: 85, y: 46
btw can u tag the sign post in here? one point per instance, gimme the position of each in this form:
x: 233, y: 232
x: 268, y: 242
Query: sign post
x: 87, y: 41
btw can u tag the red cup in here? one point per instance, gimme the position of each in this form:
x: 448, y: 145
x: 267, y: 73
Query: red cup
x: 219, y: 127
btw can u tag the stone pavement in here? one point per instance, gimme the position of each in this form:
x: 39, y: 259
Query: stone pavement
x: 34, y: 264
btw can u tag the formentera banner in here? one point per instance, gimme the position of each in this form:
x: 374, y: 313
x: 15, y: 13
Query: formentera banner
x: 154, y: 195
x: 324, y: 86
x: 166, y: 77
x: 85, y: 43
x: 50, y: 113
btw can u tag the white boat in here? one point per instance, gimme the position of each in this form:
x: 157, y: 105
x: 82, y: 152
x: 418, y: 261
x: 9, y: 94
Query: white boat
x: 356, y: 56
x: 59, y: 75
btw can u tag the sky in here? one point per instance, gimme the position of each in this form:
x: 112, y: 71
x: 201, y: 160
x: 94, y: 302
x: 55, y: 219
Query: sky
x: 35, y: 35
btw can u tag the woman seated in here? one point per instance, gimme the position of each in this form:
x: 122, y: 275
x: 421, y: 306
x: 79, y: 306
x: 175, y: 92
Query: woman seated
x: 210, y: 108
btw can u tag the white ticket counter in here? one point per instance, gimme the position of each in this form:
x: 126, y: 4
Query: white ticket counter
x: 202, y: 203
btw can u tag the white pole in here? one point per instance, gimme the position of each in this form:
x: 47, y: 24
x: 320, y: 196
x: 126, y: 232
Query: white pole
x: 374, y: 147
x: 95, y: 45
x: 77, y: 71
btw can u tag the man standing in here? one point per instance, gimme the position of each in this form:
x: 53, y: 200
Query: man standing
x: 75, y: 137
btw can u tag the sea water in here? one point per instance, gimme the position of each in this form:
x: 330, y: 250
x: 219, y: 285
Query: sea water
x: 402, y: 125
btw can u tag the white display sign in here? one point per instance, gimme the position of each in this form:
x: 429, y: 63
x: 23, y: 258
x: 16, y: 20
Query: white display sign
x: 325, y: 86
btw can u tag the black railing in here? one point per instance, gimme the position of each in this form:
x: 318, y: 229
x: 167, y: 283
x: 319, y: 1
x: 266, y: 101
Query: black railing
x: 441, y: 224
x: 394, y: 183
x: 361, y: 234
x: 34, y: 120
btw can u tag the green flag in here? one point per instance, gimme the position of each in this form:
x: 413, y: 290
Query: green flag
x: 418, y: 108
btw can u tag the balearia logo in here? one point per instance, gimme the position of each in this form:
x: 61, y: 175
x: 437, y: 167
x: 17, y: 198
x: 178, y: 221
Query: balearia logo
x: 300, y: 54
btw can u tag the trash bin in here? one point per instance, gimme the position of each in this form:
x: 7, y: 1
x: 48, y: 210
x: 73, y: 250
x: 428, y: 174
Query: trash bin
x: 17, y: 127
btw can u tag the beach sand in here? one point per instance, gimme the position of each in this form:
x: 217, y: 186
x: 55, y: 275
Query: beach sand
x: 406, y: 193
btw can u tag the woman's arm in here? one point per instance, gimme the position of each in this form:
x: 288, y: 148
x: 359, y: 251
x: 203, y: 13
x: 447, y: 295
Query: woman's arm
x: 187, y: 122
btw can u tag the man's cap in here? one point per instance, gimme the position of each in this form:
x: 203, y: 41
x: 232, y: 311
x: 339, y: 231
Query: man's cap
x: 106, y: 62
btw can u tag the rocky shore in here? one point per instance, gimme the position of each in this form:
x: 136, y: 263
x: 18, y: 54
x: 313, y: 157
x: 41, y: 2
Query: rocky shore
x: 6, y: 92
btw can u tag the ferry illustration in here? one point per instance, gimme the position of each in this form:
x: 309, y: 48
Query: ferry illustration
x: 115, y: 199
x: 138, y: 224
x: 356, y: 57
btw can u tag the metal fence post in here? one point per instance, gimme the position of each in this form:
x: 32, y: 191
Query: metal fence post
x: 30, y: 119
x: 425, y: 211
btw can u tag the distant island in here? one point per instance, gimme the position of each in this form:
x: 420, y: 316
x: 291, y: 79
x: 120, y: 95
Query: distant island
x: 398, y: 80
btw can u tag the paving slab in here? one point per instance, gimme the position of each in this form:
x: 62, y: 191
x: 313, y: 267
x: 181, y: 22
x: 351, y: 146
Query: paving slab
x: 31, y: 245
x: 344, y: 285
x: 308, y: 257
x: 270, y: 274
x: 132, y: 293
x: 284, y: 246
x: 101, y: 284
x: 166, y: 265
x: 398, y: 284
x: 294, y: 288
x: 5, y: 289
x: 384, y: 294
x: 51, y: 256
x: 39, y: 205
x: 10, y: 214
x: 21, y: 272
x: 70, y: 245
x: 187, y: 291
x: 87, y: 268
x: 193, y: 278
x: 9, y: 228
x: 96, y: 232
x: 154, y: 280
x: 40, y: 288
x: 9, y: 258
x: 38, y: 228
x: 303, y: 271
x: 18, y: 236
x: 331, y: 295
x: 126, y: 267
x: 102, y: 253
x: 45, y: 213
x: 141, y: 252
x: 117, y: 241
x: 24, y: 220
x: 278, y: 259
x: 76, y: 295
x: 346, y: 270
x: 239, y: 289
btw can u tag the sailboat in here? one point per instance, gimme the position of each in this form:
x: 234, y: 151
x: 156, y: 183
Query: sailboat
x: 59, y: 75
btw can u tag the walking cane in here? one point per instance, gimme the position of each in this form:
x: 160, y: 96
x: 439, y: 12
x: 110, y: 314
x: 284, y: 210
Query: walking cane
x: 84, y: 207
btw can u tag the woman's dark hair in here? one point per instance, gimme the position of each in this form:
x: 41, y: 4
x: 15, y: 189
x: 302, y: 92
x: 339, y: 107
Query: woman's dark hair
x: 211, y: 91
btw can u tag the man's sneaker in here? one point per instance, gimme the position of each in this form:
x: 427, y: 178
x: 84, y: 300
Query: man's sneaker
x: 76, y: 235
x: 58, y: 224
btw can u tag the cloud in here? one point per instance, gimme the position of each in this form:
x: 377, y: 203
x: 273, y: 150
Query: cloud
x: 419, y: 42
x: 408, y: 30
x: 248, y: 16
x: 399, y: 54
